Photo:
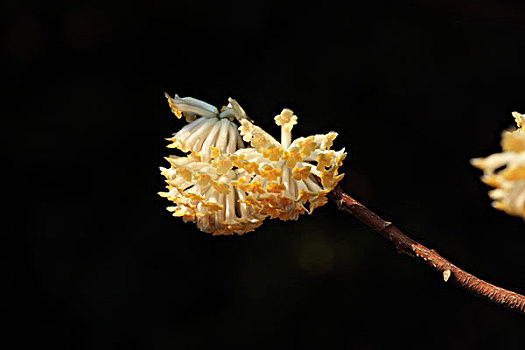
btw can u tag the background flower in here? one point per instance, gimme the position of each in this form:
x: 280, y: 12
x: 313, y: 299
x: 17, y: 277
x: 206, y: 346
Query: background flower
x: 505, y: 171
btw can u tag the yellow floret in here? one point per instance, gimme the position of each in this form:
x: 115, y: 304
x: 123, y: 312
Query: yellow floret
x: 292, y: 157
x: 273, y: 153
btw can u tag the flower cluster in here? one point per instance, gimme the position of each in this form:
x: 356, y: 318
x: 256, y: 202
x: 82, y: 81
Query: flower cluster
x: 226, y: 186
x: 505, y: 171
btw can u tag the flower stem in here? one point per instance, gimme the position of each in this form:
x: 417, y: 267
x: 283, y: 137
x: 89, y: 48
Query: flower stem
x: 406, y: 245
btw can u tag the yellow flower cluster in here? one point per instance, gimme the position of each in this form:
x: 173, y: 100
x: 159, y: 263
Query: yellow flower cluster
x: 505, y: 171
x: 226, y: 188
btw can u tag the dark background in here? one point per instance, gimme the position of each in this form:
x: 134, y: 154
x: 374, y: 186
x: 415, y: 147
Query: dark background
x: 92, y: 260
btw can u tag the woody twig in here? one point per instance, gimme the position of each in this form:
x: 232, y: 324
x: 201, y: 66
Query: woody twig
x: 449, y: 272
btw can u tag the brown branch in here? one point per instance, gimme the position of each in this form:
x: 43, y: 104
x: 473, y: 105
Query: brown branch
x: 405, y: 244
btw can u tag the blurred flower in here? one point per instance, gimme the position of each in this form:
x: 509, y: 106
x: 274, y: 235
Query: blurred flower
x: 225, y: 188
x: 505, y: 171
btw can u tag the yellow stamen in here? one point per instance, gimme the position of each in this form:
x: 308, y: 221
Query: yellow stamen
x: 273, y: 153
x: 329, y: 178
x: 324, y: 160
x: 259, y: 141
x: 270, y: 173
x: 174, y: 109
x: 202, y: 179
x: 305, y: 195
x: 242, y: 184
x: 274, y: 187
x: 286, y: 119
x: 252, y: 168
x: 238, y: 159
x: 194, y: 197
x: 222, y: 163
x: 215, y: 152
x: 221, y: 187
x: 292, y: 157
x: 255, y: 187
x: 301, y: 173
x: 184, y: 173
x: 307, y: 146
x: 211, y: 206
x: 328, y: 141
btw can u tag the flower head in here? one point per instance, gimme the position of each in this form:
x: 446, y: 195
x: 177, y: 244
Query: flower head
x: 505, y: 171
x: 225, y: 188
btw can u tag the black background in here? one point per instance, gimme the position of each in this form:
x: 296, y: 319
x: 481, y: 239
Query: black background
x: 92, y: 260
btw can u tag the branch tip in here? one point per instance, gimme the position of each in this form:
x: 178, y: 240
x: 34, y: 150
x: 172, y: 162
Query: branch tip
x: 406, y: 245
